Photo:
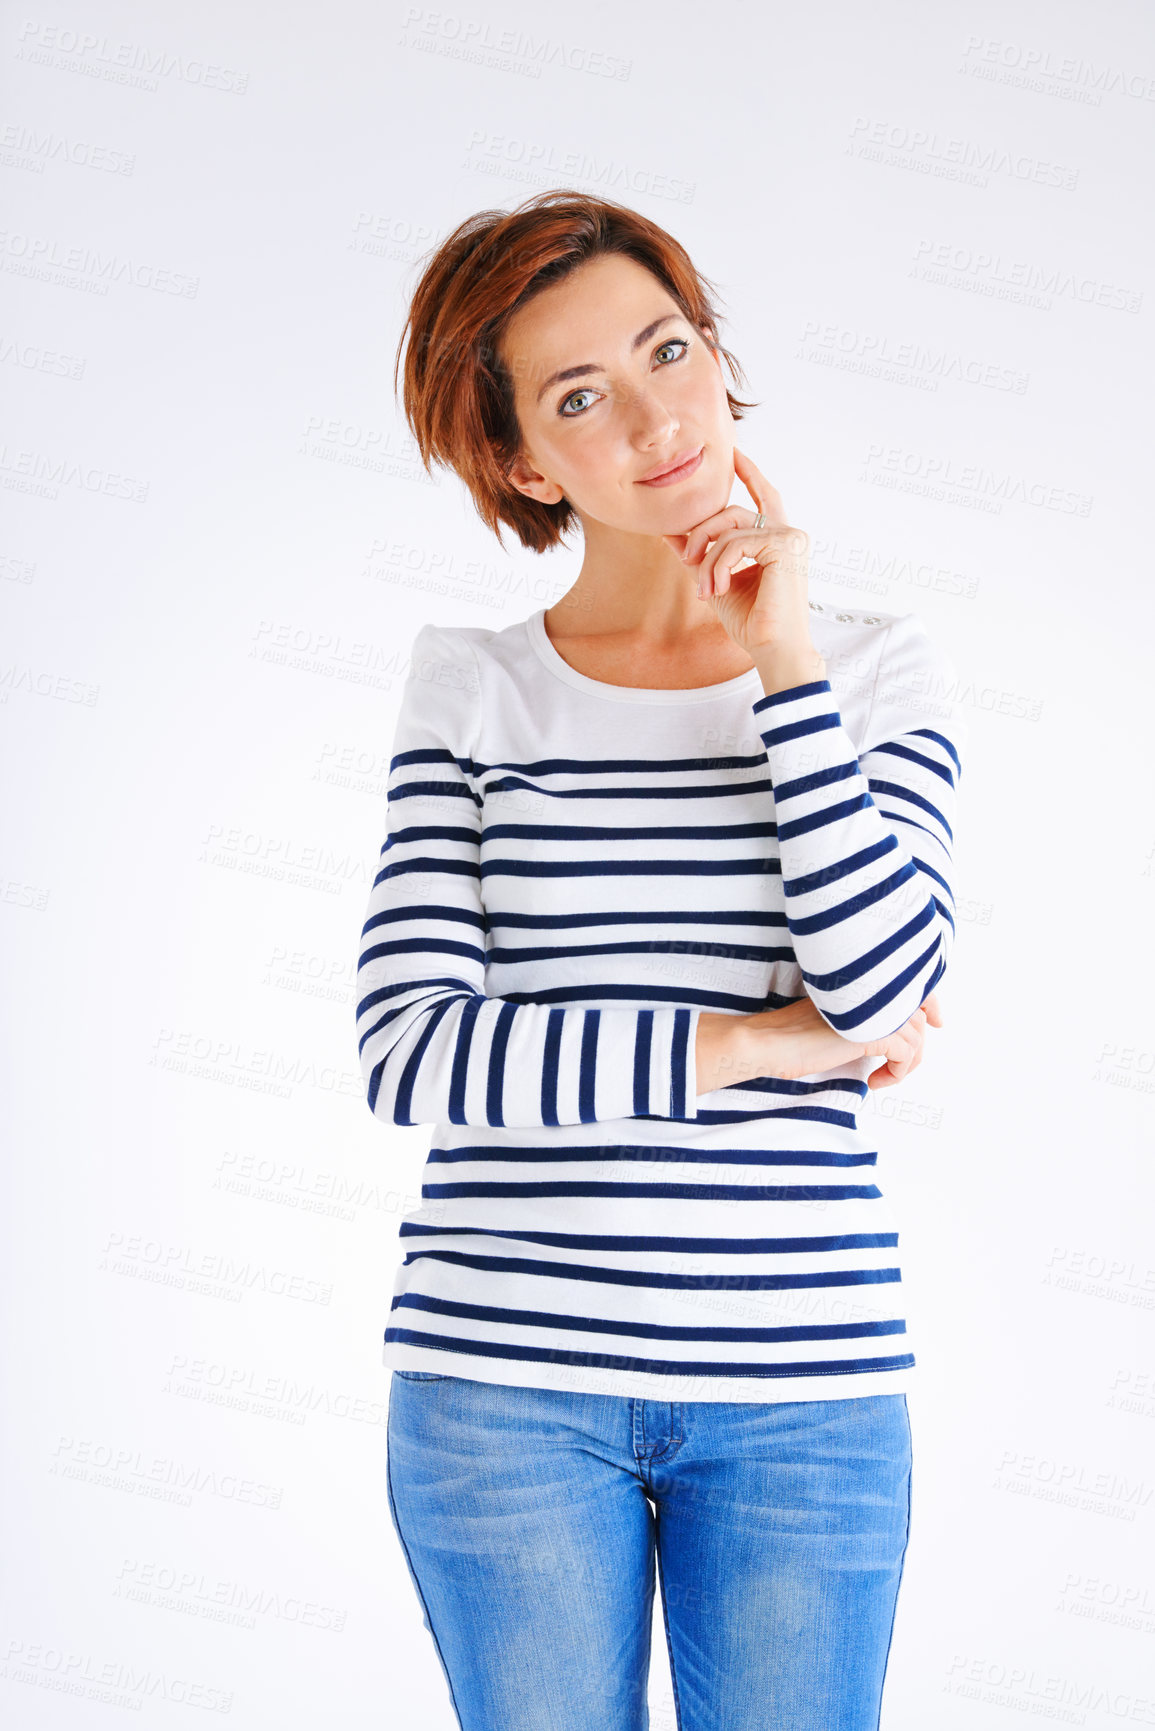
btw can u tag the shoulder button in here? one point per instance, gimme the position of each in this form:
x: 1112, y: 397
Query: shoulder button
x: 817, y: 607
x: 847, y: 618
x: 871, y: 619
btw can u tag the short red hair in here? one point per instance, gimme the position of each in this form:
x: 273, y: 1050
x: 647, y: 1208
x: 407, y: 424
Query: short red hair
x: 457, y: 396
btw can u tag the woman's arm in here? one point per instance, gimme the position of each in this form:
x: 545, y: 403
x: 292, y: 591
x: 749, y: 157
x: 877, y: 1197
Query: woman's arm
x: 866, y: 843
x: 797, y: 1041
x: 434, y: 1047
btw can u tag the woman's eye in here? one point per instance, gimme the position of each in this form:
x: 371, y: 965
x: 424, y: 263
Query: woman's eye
x: 670, y: 343
x: 570, y: 398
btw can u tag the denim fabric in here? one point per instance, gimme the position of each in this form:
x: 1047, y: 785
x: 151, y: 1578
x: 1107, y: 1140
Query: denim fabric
x: 536, y: 1524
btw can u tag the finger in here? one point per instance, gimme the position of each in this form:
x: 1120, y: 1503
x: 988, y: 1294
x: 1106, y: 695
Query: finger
x: 766, y: 497
x: 933, y: 1011
x: 733, y: 562
x: 880, y: 1078
x: 762, y: 547
x: 780, y: 547
x: 700, y: 536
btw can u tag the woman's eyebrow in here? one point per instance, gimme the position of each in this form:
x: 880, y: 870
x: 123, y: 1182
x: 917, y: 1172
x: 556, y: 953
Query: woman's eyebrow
x: 596, y: 366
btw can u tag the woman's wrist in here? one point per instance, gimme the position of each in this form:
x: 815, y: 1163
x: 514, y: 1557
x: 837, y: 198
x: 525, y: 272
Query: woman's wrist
x: 725, y: 1050
x: 781, y: 670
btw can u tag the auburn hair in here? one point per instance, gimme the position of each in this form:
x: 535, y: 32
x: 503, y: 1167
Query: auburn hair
x: 458, y: 397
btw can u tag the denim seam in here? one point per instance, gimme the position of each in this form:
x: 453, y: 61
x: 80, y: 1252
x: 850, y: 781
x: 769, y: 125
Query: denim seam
x: 666, y: 1623
x: 898, y: 1589
x: 417, y: 1584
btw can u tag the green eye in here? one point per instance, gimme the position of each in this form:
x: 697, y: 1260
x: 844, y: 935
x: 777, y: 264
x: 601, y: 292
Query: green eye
x: 584, y: 392
x: 587, y: 391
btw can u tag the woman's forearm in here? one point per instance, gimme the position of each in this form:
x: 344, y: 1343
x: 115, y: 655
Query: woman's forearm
x: 727, y: 1049
x: 796, y: 1041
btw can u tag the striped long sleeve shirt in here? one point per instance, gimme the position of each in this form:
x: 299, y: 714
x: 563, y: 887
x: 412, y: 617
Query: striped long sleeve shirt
x: 573, y: 872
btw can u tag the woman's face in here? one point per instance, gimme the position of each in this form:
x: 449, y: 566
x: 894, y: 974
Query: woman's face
x: 641, y: 388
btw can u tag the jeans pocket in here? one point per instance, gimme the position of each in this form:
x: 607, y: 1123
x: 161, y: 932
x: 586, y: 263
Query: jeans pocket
x: 420, y: 1375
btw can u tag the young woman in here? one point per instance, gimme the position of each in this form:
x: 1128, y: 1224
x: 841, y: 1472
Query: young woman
x: 668, y: 873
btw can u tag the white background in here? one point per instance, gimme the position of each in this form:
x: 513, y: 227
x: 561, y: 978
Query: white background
x: 930, y: 230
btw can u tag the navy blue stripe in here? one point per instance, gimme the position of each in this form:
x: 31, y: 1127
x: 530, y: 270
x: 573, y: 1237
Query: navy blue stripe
x: 864, y: 1012
x: 643, y: 1043
x: 632, y: 994
x: 427, y: 832
x: 840, y: 868
x: 503, y: 1027
x: 929, y: 985
x: 801, y: 729
x: 422, y: 946
x: 703, y: 947
x: 870, y: 959
x: 649, y: 1366
x: 625, y: 1187
x: 657, y: 1154
x: 706, y: 790
x: 409, y: 1074
x: 738, y: 1282
x: 615, y: 1241
x: 430, y: 989
x: 429, y: 754
x: 828, y: 814
x: 939, y: 739
x: 879, y: 892
x: 749, y: 1115
x: 900, y: 792
x: 646, y: 1330
x: 421, y: 789
x: 460, y: 1072
x: 618, y: 765
x: 757, y: 865
x: 588, y: 1072
x: 680, y: 1107
x: 784, y: 790
x: 550, y: 1066
x: 432, y: 863
x: 908, y: 822
x: 606, y: 832
x: 424, y: 911
x: 895, y: 749
x: 633, y: 916
x: 792, y: 693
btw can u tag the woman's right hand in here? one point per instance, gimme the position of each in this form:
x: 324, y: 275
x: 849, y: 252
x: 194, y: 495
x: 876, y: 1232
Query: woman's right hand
x: 797, y: 1041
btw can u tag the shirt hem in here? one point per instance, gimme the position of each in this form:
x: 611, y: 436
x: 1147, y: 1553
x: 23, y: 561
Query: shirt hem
x: 570, y: 1379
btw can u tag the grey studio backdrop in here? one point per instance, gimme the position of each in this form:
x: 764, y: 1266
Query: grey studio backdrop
x: 927, y: 226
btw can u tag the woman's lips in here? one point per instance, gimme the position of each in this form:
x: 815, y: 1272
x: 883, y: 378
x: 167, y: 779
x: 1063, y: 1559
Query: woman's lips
x: 672, y: 476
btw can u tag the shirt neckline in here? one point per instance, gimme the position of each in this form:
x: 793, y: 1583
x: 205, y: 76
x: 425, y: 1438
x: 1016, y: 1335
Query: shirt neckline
x: 559, y: 666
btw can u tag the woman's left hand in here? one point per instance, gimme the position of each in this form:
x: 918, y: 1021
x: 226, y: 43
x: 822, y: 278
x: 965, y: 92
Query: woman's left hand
x: 764, y: 605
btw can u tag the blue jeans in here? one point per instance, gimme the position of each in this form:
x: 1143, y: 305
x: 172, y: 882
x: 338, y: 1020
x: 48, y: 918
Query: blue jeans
x: 531, y: 1520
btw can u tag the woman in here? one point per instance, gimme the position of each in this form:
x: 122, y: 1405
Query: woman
x: 668, y: 871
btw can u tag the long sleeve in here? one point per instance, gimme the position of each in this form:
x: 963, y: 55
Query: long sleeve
x: 434, y: 1048
x: 866, y: 842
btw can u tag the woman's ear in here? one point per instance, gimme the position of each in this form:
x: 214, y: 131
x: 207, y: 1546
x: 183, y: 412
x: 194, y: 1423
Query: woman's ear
x: 522, y: 476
